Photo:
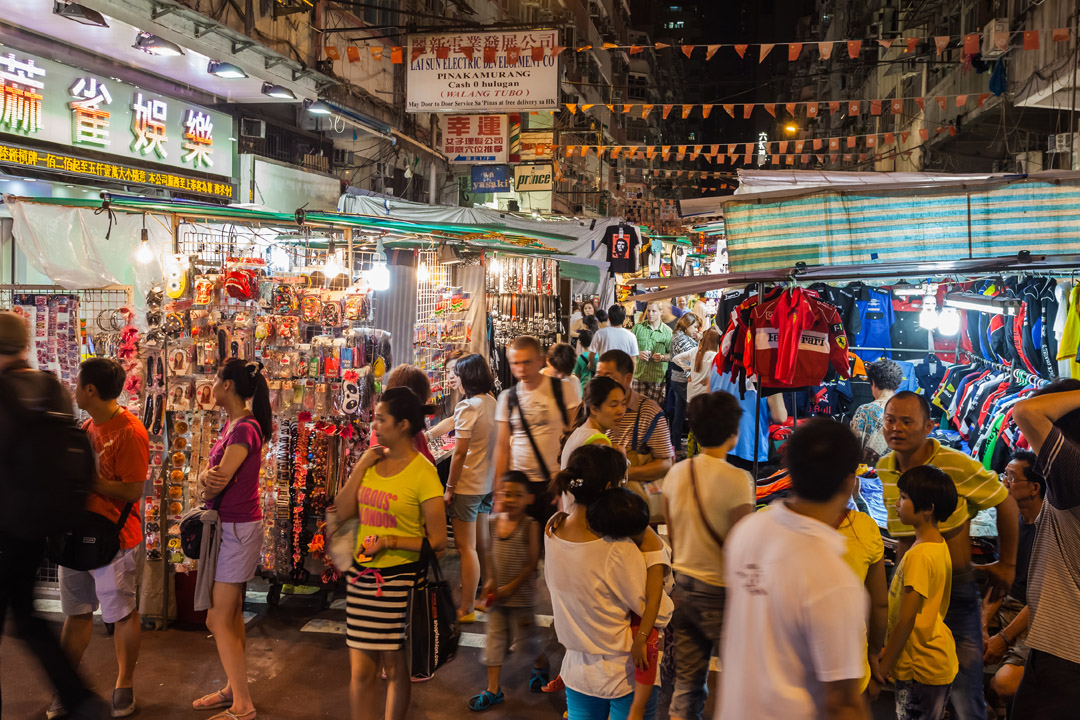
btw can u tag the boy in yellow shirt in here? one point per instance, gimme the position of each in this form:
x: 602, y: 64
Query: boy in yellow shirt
x: 920, y: 653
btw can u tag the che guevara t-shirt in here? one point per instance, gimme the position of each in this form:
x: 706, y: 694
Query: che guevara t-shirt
x: 621, y: 242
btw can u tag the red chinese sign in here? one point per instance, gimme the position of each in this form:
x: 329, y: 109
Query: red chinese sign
x: 475, y: 139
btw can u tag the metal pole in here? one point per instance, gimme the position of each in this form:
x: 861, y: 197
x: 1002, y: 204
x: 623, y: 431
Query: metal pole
x: 757, y: 398
x: 1072, y: 105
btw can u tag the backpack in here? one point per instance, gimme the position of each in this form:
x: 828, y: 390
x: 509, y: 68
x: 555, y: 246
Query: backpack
x: 48, y: 467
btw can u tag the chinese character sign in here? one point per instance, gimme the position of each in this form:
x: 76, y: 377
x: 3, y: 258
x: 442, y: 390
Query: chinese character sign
x: 198, y: 139
x: 89, y: 120
x: 471, y: 139
x: 21, y: 87
x: 148, y: 126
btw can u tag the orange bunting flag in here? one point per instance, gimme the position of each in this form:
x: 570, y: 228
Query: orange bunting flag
x: 557, y: 50
x: 687, y: 50
x: 941, y: 42
x: 332, y: 52
x: 782, y: 146
x: 585, y: 108
x: 467, y: 51
x: 353, y: 52
x: 730, y: 110
x: 570, y: 150
x: 416, y: 53
x: 804, y: 159
x: 790, y: 107
x: 771, y: 109
x: 871, y: 141
x: 616, y: 151
x: 1001, y: 40
x: 572, y: 107
x: 682, y: 149
x: 854, y: 107
x: 635, y: 49
x: 833, y: 158
x: 912, y: 44
x: 731, y: 148
x: 890, y: 139
x: 609, y: 46
x: 1031, y: 39
x: 921, y: 102
x: 818, y: 143
x: 650, y: 152
x: 645, y: 110
x: 696, y: 152
x: 885, y: 43
x: 941, y: 100
x: 940, y: 130
x: 904, y: 135
x: 851, y: 141
x: 875, y: 107
x: 811, y: 110
x: 611, y: 108
x: 376, y: 52
x: 834, y: 143
x: 714, y: 149
x: 924, y: 134
x: 627, y: 108
x: 793, y: 51
x: 952, y: 130
x: 666, y: 110
x: 583, y: 48
x: 825, y: 49
x: 705, y: 110
x: 799, y: 145
x: 847, y: 157
x: 746, y: 110
x: 961, y: 100
x: 897, y: 105
x: 790, y: 160
x: 983, y: 98
x: 1060, y: 35
x: 397, y: 55
x: 741, y: 49
x: 749, y: 152
x: 513, y: 55
x: 537, y: 54
x: 631, y: 152
x: 489, y: 55
x: 585, y: 150
x: 862, y: 157
x: 766, y: 48
x: 834, y: 106
x: 710, y: 51
x: 854, y: 48
x: 971, y: 44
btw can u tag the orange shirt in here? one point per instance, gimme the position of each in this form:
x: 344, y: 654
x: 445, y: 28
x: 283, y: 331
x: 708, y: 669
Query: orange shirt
x: 122, y: 447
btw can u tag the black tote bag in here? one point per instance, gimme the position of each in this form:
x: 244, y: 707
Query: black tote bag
x: 433, y: 628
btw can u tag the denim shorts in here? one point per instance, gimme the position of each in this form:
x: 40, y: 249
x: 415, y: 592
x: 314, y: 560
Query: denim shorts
x: 465, y: 508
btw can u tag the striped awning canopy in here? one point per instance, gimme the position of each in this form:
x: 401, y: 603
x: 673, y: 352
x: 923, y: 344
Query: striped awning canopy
x: 913, y: 222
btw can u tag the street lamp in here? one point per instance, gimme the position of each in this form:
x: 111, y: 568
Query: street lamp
x: 791, y: 128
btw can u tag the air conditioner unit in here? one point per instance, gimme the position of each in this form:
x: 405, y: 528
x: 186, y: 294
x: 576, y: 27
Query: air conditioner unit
x: 252, y: 128
x: 989, y: 35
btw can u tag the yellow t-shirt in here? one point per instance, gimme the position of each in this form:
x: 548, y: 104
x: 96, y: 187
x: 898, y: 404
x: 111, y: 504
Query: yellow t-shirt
x: 930, y: 654
x: 864, y: 548
x: 391, y: 506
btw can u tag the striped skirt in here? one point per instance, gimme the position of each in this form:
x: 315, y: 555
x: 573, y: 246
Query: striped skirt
x: 377, y: 606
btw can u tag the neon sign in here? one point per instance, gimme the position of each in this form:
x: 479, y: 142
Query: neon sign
x: 20, y: 94
x: 90, y: 122
x: 148, y: 126
x: 198, y: 139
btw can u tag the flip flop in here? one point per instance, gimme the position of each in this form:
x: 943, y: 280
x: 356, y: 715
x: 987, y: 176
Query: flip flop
x: 538, y: 680
x: 230, y: 715
x: 485, y: 700
x: 224, y: 701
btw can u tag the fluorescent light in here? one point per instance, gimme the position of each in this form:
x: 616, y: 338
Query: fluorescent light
x: 998, y: 305
x: 906, y: 290
x: 317, y: 107
x: 225, y: 70
x: 80, y: 14
x: 277, y: 91
x: 153, y: 45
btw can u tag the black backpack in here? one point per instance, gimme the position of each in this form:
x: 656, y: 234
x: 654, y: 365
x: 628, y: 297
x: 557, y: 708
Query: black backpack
x: 48, y: 466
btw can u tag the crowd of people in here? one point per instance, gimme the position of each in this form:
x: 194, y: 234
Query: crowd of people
x: 574, y: 469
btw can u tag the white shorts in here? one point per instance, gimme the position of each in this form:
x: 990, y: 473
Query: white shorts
x: 111, y: 587
x: 241, y: 547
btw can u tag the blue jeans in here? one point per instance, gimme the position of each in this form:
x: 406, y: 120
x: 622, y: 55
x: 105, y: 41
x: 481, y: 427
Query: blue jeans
x: 915, y: 701
x: 698, y: 620
x: 586, y: 707
x: 967, y: 700
x: 676, y: 407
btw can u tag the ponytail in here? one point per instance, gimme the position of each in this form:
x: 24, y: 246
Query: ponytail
x: 250, y: 384
x: 590, y: 470
x: 709, y: 341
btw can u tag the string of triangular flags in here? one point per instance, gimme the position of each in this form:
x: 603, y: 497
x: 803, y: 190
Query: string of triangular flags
x: 970, y: 42
x: 883, y: 106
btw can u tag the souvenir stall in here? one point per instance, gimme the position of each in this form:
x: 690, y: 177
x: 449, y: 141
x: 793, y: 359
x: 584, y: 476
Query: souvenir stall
x: 523, y: 298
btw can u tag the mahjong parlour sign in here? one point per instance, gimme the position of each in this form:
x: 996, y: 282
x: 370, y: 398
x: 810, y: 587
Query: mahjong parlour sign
x: 483, y: 72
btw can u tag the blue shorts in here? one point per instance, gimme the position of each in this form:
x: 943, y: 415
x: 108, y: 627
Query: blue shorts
x: 586, y: 707
x: 465, y: 508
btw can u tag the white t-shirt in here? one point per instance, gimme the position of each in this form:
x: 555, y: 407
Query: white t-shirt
x: 614, y: 338
x: 722, y: 487
x: 594, y: 588
x: 795, y: 617
x: 698, y: 384
x: 545, y: 424
x: 474, y: 419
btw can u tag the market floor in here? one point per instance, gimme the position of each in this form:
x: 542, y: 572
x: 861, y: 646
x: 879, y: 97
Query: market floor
x: 298, y: 665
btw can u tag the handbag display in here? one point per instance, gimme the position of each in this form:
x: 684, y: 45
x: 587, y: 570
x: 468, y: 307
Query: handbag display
x: 433, y: 628
x: 639, y: 454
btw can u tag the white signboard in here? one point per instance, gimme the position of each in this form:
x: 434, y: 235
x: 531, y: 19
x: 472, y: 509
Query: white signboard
x: 470, y: 139
x: 483, y: 72
x: 533, y: 178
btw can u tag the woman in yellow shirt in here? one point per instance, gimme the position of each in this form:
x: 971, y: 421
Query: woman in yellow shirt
x: 396, y: 493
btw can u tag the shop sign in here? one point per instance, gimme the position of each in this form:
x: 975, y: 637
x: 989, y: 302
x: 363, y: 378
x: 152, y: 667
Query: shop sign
x: 47, y: 101
x: 28, y: 158
x: 482, y: 72
x: 491, y: 179
x: 537, y: 145
x: 474, y: 139
x: 533, y: 178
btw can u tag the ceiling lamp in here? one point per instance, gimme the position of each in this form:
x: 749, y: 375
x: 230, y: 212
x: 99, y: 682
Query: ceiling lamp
x: 317, y: 107
x: 225, y: 70
x: 80, y: 14
x: 144, y: 254
x: 151, y: 44
x: 949, y: 322
x: 928, y: 317
x: 996, y: 305
x: 277, y: 91
x: 448, y: 255
x: 905, y: 290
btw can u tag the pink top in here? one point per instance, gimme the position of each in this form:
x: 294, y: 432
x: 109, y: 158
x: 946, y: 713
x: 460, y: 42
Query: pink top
x: 241, y: 501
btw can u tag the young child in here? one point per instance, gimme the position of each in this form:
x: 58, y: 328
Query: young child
x: 510, y: 588
x: 585, y: 366
x: 920, y: 653
x: 620, y: 513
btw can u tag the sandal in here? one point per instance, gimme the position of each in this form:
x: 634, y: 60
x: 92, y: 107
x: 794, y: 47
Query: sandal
x: 485, y: 700
x: 556, y: 685
x: 230, y: 715
x: 538, y: 680
x: 223, y: 701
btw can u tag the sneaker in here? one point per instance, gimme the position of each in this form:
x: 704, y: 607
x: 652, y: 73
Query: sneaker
x: 123, y: 702
x: 56, y: 709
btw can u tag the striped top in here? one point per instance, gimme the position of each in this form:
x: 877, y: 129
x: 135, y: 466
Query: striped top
x: 509, y: 556
x: 977, y: 488
x: 1054, y: 575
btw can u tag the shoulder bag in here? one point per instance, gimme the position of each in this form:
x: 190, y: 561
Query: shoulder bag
x: 433, y: 628
x: 701, y: 509
x: 542, y: 505
x: 639, y: 454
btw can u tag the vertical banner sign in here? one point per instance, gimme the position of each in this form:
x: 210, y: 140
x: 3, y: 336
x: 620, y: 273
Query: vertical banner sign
x: 482, y: 72
x: 533, y: 178
x: 491, y: 179
x: 470, y: 139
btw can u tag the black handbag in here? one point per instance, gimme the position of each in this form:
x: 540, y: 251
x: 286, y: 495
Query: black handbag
x: 93, y: 543
x: 433, y: 627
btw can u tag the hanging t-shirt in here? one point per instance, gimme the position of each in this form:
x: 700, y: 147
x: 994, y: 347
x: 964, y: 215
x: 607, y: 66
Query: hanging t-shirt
x: 876, y: 316
x: 678, y: 260
x: 622, y: 242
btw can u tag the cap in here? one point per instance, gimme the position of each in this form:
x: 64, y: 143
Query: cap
x: 14, y: 333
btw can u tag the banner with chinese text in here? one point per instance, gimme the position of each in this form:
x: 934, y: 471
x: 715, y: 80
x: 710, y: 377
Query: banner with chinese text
x: 471, y: 139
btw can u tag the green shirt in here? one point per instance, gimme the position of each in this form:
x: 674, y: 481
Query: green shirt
x: 652, y: 341
x: 584, y: 368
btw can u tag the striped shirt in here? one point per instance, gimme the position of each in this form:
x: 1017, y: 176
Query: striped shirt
x: 1054, y: 575
x: 977, y: 488
x: 652, y: 341
x: 680, y: 343
x: 639, y: 414
x: 510, y: 555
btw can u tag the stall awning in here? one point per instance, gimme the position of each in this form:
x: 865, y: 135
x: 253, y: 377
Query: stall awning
x: 581, y: 268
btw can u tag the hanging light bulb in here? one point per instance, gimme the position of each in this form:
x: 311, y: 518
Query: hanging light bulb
x: 378, y: 276
x: 496, y: 267
x: 949, y: 322
x: 333, y: 266
x: 144, y: 255
x: 423, y: 274
x: 928, y: 318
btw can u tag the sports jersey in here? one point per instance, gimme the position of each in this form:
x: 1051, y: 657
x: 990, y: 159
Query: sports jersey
x: 876, y: 316
x: 843, y: 299
x: 795, y: 340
